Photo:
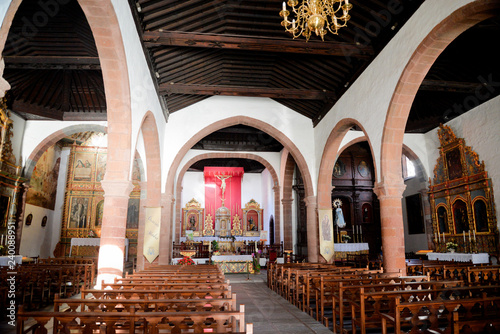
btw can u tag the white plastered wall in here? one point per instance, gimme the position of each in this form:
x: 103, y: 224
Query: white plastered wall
x: 188, y: 122
x: 142, y: 90
x: 368, y: 98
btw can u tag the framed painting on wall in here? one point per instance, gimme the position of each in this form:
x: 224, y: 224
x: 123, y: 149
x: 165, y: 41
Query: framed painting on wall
x: 78, y: 215
x: 82, y: 166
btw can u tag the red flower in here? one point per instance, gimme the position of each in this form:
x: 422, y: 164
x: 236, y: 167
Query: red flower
x: 186, y: 260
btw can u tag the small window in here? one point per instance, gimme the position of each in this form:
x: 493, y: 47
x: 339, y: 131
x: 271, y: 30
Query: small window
x: 408, y: 168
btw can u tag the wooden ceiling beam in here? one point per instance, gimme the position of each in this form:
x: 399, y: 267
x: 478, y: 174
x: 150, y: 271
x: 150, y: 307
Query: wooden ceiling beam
x: 170, y: 38
x: 275, y: 93
x: 28, y: 108
x: 52, y: 62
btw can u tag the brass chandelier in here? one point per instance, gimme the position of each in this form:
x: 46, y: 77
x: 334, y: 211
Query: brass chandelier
x: 318, y: 16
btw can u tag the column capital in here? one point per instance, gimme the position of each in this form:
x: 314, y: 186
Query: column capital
x: 286, y: 201
x: 117, y: 188
x: 310, y: 201
x: 394, y: 189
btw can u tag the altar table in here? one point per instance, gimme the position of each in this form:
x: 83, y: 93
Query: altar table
x: 342, y: 249
x: 92, y: 242
x: 234, y: 264
x: 460, y: 257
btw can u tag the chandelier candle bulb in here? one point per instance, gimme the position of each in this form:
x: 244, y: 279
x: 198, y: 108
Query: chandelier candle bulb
x: 284, y: 6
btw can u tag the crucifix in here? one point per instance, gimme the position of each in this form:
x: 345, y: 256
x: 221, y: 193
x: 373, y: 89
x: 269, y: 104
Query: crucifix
x: 223, y: 184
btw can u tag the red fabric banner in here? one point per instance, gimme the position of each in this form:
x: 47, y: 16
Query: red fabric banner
x: 230, y: 180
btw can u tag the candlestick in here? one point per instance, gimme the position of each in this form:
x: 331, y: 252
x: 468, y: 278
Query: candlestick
x: 464, y: 237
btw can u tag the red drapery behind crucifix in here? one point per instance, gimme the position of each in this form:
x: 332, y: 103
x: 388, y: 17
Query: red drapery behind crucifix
x: 230, y: 180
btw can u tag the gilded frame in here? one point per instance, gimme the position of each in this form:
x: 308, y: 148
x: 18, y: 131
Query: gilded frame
x: 251, y: 211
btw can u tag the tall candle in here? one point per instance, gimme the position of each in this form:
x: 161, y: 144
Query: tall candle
x: 474, y: 235
x: 469, y: 236
x: 1, y: 242
x: 439, y: 236
x: 464, y: 236
x: 444, y: 238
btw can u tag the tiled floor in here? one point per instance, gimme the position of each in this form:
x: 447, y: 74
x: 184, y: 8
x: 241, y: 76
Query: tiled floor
x: 269, y: 313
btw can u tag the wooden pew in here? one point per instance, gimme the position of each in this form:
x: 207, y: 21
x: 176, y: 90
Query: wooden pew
x: 443, y: 316
x: 156, y: 294
x: 145, y: 305
x: 165, y: 286
x: 367, y: 311
x: 133, y: 322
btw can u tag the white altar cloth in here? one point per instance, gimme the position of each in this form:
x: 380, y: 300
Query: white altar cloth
x: 232, y: 258
x: 93, y: 242
x: 4, y: 260
x: 351, y: 247
x: 460, y: 257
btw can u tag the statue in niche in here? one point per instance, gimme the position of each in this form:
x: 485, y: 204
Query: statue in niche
x: 442, y: 220
x: 461, y: 219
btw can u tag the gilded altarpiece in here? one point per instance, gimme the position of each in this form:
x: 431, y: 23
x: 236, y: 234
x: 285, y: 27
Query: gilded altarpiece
x: 12, y: 185
x: 461, y: 196
x: 84, y: 202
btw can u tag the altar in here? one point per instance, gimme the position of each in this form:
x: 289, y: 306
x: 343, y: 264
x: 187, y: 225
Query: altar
x: 10, y: 260
x: 460, y: 257
x: 95, y: 242
x: 342, y: 249
x: 234, y: 264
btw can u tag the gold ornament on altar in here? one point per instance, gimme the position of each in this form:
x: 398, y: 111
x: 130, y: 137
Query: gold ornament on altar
x: 208, y: 226
x: 236, y: 230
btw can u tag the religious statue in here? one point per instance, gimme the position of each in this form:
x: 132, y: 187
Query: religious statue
x: 192, y: 223
x: 251, y: 225
x: 339, y: 216
x: 223, y: 178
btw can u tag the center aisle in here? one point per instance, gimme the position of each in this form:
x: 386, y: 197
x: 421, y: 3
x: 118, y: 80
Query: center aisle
x: 269, y: 312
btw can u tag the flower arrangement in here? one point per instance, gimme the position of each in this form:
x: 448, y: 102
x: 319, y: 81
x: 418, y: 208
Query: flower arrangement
x: 186, y: 260
x: 91, y: 234
x: 215, y: 246
x: 256, y: 262
x: 451, y: 245
x: 3, y: 250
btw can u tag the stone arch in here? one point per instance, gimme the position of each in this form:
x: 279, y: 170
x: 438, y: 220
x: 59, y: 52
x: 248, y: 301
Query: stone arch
x: 287, y: 200
x: 152, y: 184
x: 330, y: 155
x: 391, y: 186
x: 182, y: 172
x: 166, y: 236
x: 54, y: 138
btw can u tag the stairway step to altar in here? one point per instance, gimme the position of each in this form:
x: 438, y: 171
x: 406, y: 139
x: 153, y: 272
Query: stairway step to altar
x: 269, y: 312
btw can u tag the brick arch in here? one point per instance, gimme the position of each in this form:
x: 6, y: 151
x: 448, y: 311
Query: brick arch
x: 243, y: 120
x: 391, y: 186
x: 423, y: 58
x: 52, y: 139
x: 166, y: 235
x: 152, y: 185
x: 287, y: 200
x: 330, y: 155
x: 249, y: 156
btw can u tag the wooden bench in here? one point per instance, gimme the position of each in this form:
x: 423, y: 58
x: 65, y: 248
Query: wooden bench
x: 443, y: 316
x: 145, y: 305
x: 366, y: 312
x: 155, y: 294
x: 133, y: 322
x: 164, y: 286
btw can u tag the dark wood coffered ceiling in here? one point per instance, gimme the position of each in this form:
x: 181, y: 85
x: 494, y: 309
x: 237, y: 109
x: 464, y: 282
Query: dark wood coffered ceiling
x: 200, y: 48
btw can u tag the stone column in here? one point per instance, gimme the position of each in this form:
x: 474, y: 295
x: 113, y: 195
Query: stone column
x: 277, y: 215
x: 114, y: 226
x: 167, y: 219
x: 140, y: 231
x: 312, y: 229
x: 287, y: 223
x: 392, y: 229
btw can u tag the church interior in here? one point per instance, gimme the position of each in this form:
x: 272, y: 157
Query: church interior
x: 186, y: 142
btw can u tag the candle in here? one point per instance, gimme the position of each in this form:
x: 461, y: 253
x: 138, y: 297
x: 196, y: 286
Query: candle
x: 435, y: 236
x: 444, y: 238
x: 469, y: 236
x: 474, y: 235
x: 439, y: 237
x: 284, y: 6
x: 1, y: 242
x: 464, y: 236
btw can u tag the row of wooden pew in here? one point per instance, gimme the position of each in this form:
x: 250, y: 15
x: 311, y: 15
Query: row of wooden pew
x: 165, y: 299
x: 358, y: 300
x: 36, y: 284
